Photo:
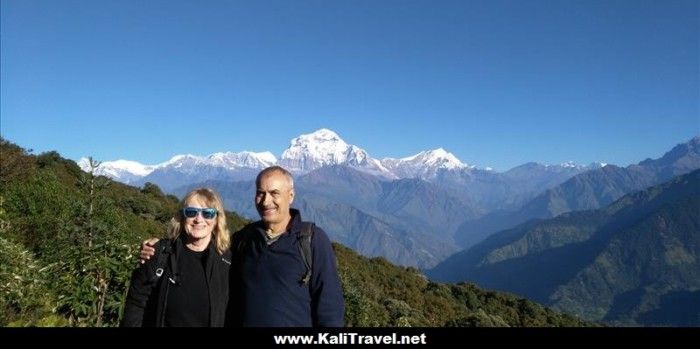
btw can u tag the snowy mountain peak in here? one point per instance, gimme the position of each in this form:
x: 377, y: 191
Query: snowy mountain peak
x: 322, y: 134
x: 439, y: 158
x: 265, y: 156
x: 131, y: 171
x: 124, y: 170
x: 324, y: 147
x: 242, y: 159
x: 178, y: 161
x: 180, y: 158
x: 573, y: 165
x: 129, y: 166
x: 595, y: 165
x: 569, y: 164
x: 425, y: 164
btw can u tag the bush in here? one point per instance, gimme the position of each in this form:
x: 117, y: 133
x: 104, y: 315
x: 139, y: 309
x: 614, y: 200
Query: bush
x: 25, y: 298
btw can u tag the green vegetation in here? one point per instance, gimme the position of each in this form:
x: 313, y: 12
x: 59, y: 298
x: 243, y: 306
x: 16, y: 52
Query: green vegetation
x: 633, y: 263
x: 378, y: 293
x: 68, y: 243
x: 68, y: 239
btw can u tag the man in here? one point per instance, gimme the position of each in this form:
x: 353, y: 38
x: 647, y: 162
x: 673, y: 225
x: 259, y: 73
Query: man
x: 270, y: 267
x: 269, y: 286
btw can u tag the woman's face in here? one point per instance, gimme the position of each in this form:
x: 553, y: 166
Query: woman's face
x: 198, y: 227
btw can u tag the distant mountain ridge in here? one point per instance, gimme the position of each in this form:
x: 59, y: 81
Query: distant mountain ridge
x: 589, y: 190
x: 306, y: 153
x: 637, y: 261
x: 374, y: 217
x: 409, y: 221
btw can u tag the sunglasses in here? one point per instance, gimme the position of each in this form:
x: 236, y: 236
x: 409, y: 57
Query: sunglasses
x: 191, y: 212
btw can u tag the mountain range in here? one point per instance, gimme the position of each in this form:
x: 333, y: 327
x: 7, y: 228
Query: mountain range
x: 634, y: 262
x: 590, y: 190
x: 309, y: 152
x: 415, y: 210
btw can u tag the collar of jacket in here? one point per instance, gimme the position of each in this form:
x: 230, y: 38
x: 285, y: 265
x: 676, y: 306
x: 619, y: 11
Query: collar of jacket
x: 294, y: 226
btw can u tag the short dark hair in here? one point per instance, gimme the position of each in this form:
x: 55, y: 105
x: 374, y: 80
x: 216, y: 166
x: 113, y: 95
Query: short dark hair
x: 275, y: 169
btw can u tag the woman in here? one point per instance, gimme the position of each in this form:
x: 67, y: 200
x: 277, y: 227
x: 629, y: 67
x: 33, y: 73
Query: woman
x: 186, y: 283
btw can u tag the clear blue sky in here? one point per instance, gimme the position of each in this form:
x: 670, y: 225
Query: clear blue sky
x: 498, y: 83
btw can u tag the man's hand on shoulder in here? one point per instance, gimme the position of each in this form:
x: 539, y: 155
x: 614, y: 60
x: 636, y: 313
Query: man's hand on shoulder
x: 147, y: 249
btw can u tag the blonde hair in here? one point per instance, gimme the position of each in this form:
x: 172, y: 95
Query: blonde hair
x: 220, y: 234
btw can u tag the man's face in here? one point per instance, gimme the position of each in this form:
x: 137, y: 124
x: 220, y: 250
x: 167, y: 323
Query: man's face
x: 273, y: 197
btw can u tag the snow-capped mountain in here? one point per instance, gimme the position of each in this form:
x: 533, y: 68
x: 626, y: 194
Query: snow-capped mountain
x: 571, y: 164
x: 325, y: 148
x: 227, y: 160
x: 528, y: 170
x: 309, y: 152
x: 425, y: 164
x: 186, y: 162
x: 125, y: 171
x: 243, y: 159
x: 228, y: 166
x: 132, y: 172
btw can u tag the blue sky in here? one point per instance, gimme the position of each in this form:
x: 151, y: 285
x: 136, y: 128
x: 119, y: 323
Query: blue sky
x: 497, y: 83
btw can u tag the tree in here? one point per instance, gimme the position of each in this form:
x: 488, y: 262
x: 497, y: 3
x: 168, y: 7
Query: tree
x: 92, y: 185
x: 152, y: 189
x: 15, y: 162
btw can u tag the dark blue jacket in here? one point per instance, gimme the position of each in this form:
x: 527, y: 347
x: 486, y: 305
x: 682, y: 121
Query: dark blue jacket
x: 266, y: 285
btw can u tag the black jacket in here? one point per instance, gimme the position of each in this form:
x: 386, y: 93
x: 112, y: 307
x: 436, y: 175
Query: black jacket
x: 266, y: 288
x: 146, y: 300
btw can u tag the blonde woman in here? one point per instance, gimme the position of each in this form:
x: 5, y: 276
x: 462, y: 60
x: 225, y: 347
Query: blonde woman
x: 186, y: 283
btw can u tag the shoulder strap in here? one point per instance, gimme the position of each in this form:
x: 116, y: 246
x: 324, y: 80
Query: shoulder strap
x: 307, y: 230
x: 163, y: 250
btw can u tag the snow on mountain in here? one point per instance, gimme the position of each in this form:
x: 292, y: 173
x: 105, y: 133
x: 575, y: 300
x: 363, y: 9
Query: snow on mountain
x: 187, y: 162
x: 425, y: 164
x: 243, y: 159
x: 131, y: 171
x: 228, y: 161
x: 324, y: 148
x: 310, y: 151
x: 573, y: 165
x: 529, y: 169
x: 306, y: 153
x: 121, y: 170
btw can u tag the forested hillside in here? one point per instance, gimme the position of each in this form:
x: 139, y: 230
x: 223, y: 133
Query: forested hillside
x: 378, y: 293
x: 634, y: 262
x: 68, y: 240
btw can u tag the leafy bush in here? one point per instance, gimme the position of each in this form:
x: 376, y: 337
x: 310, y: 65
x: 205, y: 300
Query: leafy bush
x: 25, y: 296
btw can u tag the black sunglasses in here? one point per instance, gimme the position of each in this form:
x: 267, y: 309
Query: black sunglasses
x: 191, y: 212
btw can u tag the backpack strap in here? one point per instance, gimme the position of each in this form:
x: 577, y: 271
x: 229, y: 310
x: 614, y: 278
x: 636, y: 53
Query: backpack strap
x: 304, y: 238
x: 163, y: 250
